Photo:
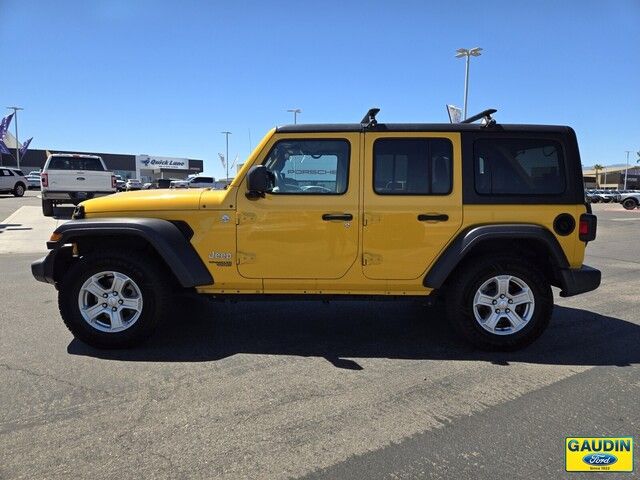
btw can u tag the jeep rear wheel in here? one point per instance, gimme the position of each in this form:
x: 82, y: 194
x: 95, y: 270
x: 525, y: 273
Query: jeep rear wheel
x: 113, y: 299
x: 630, y: 204
x: 500, y: 303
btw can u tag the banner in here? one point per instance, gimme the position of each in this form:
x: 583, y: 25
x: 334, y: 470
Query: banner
x: 24, y: 147
x: 222, y: 160
x: 4, y: 149
x: 455, y: 114
x: 4, y: 125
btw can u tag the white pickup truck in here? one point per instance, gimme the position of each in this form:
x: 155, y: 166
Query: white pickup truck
x: 72, y: 178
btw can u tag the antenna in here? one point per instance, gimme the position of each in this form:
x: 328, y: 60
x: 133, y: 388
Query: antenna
x: 369, y: 119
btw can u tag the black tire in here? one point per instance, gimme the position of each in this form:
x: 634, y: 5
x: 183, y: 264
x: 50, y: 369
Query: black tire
x: 630, y: 204
x: 18, y: 189
x: 471, y: 276
x: 143, y: 270
x: 47, y: 208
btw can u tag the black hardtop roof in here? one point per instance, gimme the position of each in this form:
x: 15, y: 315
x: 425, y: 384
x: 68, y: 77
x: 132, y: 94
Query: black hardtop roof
x: 420, y: 127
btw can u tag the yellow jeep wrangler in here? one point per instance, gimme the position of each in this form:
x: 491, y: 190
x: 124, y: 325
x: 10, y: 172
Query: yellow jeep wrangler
x: 485, y: 216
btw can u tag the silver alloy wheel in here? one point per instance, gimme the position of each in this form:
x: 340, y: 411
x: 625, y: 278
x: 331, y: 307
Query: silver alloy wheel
x: 503, y: 305
x: 19, y: 190
x: 110, y: 301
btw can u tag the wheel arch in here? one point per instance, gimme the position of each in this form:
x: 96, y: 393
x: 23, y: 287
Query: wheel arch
x: 533, y: 242
x: 169, y: 241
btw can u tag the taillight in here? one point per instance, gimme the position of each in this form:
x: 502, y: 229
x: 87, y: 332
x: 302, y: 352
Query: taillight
x: 587, y: 227
x: 113, y: 181
x: 44, y: 179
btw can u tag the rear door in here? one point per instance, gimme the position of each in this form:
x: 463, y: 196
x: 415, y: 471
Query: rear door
x: 6, y: 179
x: 412, y: 201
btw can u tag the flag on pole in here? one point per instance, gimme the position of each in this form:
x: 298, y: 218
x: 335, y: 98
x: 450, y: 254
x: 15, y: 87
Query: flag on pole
x: 455, y: 113
x: 222, y: 160
x: 4, y: 125
x: 4, y: 149
x: 24, y: 147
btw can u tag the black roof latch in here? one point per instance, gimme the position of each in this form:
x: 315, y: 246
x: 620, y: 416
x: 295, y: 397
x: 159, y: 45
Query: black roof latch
x: 369, y: 119
x: 485, y: 115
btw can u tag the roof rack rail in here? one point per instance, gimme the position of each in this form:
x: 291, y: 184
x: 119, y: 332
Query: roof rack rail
x: 369, y: 120
x: 485, y: 115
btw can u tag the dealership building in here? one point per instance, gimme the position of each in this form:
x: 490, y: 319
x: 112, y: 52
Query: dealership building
x: 612, y: 176
x: 145, y: 167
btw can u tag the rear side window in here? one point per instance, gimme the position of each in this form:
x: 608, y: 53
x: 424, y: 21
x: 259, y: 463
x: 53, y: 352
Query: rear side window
x: 412, y: 166
x: 202, y: 180
x: 75, y: 163
x: 518, y: 166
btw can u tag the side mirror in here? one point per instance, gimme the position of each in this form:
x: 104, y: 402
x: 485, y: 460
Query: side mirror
x: 258, y: 181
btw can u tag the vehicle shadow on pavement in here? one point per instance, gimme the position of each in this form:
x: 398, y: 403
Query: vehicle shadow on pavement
x: 343, y: 331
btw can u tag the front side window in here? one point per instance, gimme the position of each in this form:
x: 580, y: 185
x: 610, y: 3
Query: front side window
x: 518, y: 166
x: 412, y: 166
x: 309, y: 167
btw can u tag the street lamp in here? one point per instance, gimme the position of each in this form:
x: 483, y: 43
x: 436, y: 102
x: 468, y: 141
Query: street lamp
x: 464, y: 52
x: 626, y: 171
x: 15, y: 118
x: 295, y: 112
x: 226, y: 162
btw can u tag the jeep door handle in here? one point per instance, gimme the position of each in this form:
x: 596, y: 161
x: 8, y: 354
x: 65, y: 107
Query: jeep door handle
x: 347, y: 217
x: 433, y: 217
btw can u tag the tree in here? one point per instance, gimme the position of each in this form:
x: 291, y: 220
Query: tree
x: 597, y: 167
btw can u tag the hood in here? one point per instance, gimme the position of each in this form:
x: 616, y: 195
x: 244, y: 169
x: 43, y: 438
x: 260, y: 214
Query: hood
x: 156, y: 200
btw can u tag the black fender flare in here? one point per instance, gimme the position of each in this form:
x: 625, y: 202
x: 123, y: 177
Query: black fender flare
x: 466, y: 240
x: 165, y: 237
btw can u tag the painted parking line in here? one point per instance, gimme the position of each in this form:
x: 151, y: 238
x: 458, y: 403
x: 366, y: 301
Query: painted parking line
x: 26, y: 231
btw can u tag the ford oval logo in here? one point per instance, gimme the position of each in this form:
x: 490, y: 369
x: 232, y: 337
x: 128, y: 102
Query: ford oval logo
x: 599, y: 459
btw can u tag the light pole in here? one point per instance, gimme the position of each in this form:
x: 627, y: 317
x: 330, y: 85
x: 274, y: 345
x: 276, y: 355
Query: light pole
x: 467, y: 53
x: 226, y: 158
x: 626, y: 170
x: 295, y: 112
x: 15, y: 118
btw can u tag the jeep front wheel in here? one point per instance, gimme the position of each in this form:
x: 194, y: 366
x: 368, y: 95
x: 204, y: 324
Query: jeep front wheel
x: 112, y: 299
x: 500, y: 303
x: 630, y: 204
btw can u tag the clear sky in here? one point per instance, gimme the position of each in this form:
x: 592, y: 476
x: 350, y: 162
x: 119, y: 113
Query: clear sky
x: 165, y: 78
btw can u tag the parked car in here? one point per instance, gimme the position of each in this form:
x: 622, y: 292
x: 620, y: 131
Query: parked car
x: 147, y: 186
x: 630, y: 201
x: 194, y: 182
x: 12, y: 181
x: 133, y: 184
x: 120, y: 183
x: 72, y: 178
x: 33, y: 181
x: 413, y: 211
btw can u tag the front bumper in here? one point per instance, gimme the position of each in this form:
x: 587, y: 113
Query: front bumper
x: 42, y: 270
x: 579, y: 280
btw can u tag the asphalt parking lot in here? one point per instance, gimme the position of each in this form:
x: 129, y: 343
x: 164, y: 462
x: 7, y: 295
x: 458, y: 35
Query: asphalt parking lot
x: 294, y: 389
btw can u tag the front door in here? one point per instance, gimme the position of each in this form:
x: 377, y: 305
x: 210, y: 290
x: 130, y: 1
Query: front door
x: 412, y: 201
x: 306, y: 227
